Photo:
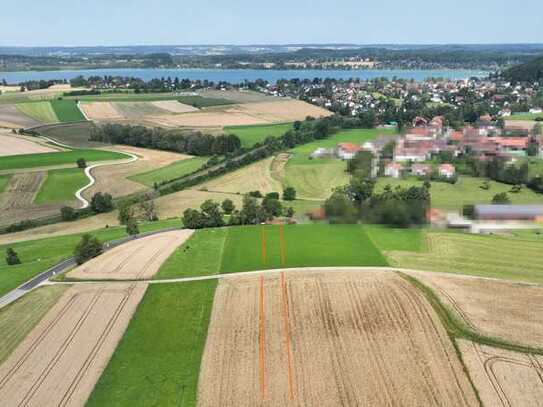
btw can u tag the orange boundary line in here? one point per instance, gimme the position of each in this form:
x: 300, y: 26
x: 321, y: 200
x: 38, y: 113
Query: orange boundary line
x: 263, y: 239
x: 262, y: 360
x: 288, y: 340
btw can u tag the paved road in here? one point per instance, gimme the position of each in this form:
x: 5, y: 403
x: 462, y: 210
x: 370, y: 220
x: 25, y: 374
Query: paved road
x: 61, y: 267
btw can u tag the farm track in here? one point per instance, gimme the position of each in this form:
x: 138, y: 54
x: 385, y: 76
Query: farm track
x: 61, y: 360
x: 355, y: 323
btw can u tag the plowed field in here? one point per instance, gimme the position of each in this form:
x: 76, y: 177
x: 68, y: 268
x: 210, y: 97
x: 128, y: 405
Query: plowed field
x: 317, y: 339
x: 60, y: 361
x: 139, y: 259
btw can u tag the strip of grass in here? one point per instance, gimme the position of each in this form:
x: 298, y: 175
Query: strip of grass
x: 158, y: 360
x: 58, y: 158
x: 41, y: 111
x: 250, y: 135
x: 18, y: 319
x: 525, y: 116
x: 316, y: 181
x: 4, y: 181
x: 39, y: 255
x: 61, y: 185
x: 67, y: 110
x: 201, y: 255
x: 305, y: 246
x: 456, y: 326
x: 200, y: 101
x: 170, y: 172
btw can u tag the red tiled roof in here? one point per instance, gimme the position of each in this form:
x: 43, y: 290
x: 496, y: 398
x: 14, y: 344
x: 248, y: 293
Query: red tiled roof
x: 395, y: 165
x: 447, y: 167
x: 349, y: 147
x: 456, y: 136
x: 518, y: 142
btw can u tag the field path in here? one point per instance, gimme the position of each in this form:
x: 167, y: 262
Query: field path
x: 88, y: 171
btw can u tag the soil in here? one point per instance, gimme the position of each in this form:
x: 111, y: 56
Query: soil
x: 15, y: 145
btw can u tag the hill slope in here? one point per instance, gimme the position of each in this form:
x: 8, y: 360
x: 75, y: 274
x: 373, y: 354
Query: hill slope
x: 529, y: 72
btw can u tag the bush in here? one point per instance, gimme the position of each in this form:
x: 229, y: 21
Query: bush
x: 289, y: 194
x: 87, y: 248
x: 126, y: 213
x: 501, y: 199
x: 468, y: 211
x: 12, y: 258
x: 272, y: 195
x: 81, y: 163
x: 101, y: 203
x: 132, y: 227
x: 67, y: 213
x: 255, y: 194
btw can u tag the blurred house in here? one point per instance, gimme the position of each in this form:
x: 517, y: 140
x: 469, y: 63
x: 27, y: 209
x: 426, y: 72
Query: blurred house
x: 531, y: 213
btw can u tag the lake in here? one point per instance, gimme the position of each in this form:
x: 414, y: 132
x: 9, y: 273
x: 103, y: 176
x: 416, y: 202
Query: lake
x: 240, y: 75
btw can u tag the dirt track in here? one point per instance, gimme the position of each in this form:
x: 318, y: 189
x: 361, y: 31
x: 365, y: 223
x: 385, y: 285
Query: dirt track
x: 113, y: 178
x: 504, y: 378
x: 137, y: 260
x: 60, y: 361
x: 317, y: 339
x: 506, y: 310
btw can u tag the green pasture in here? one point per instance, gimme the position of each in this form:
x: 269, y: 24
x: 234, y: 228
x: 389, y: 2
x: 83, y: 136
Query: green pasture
x: 41, y: 111
x: 250, y: 135
x: 67, y: 110
x: 61, y: 185
x: 172, y: 171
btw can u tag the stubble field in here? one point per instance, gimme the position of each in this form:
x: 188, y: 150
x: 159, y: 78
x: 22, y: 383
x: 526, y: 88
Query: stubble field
x: 328, y: 339
x: 60, y: 361
x: 15, y: 145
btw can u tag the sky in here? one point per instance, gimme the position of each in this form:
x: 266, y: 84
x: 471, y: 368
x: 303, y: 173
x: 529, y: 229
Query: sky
x: 180, y: 22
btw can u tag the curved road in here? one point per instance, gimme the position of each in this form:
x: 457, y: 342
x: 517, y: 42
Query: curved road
x: 85, y: 203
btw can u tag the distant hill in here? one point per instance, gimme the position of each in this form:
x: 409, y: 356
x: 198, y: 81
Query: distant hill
x: 528, y: 72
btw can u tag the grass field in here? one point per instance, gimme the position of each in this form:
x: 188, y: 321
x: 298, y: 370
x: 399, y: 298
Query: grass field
x: 4, y: 181
x: 67, y: 111
x: 304, y: 246
x: 466, y: 191
x: 250, y: 135
x: 39, y: 255
x: 49, y: 159
x: 61, y: 185
x: 525, y: 116
x: 18, y: 318
x: 486, y: 256
x: 157, y: 363
x: 387, y: 239
x: 172, y: 171
x: 314, y: 179
x: 42, y: 111
x: 201, y: 255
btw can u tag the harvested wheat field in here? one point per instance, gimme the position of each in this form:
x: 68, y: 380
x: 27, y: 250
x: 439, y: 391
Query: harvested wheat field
x: 137, y: 260
x: 172, y: 205
x: 206, y: 118
x: 511, y: 311
x: 254, y: 177
x: 283, y: 110
x: 61, y: 359
x: 100, y: 111
x: 328, y: 339
x: 12, y: 118
x: 504, y: 378
x: 173, y: 106
x: 113, y: 179
x: 15, y: 145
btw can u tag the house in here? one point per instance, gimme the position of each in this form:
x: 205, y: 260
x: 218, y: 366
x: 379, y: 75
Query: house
x: 347, y: 151
x: 420, y: 122
x: 536, y: 110
x: 446, y: 170
x: 322, y: 152
x: 412, y: 151
x: 393, y: 169
x: 511, y: 145
x: 421, y: 170
x: 505, y: 112
x: 456, y: 136
x: 532, y: 213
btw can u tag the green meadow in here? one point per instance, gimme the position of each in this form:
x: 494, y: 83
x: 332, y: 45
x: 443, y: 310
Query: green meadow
x: 172, y: 171
x: 250, y: 135
x: 61, y: 185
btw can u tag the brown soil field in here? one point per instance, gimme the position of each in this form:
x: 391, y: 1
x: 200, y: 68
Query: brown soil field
x: 137, y: 260
x: 60, y: 361
x: 15, y: 145
x: 100, y: 111
x: 278, y: 167
x: 174, y: 106
x: 328, y: 339
x: 254, y: 177
x: 173, y: 205
x: 17, y: 202
x: 504, y: 378
x: 12, y: 118
x: 276, y: 111
x: 113, y: 179
x: 506, y: 310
